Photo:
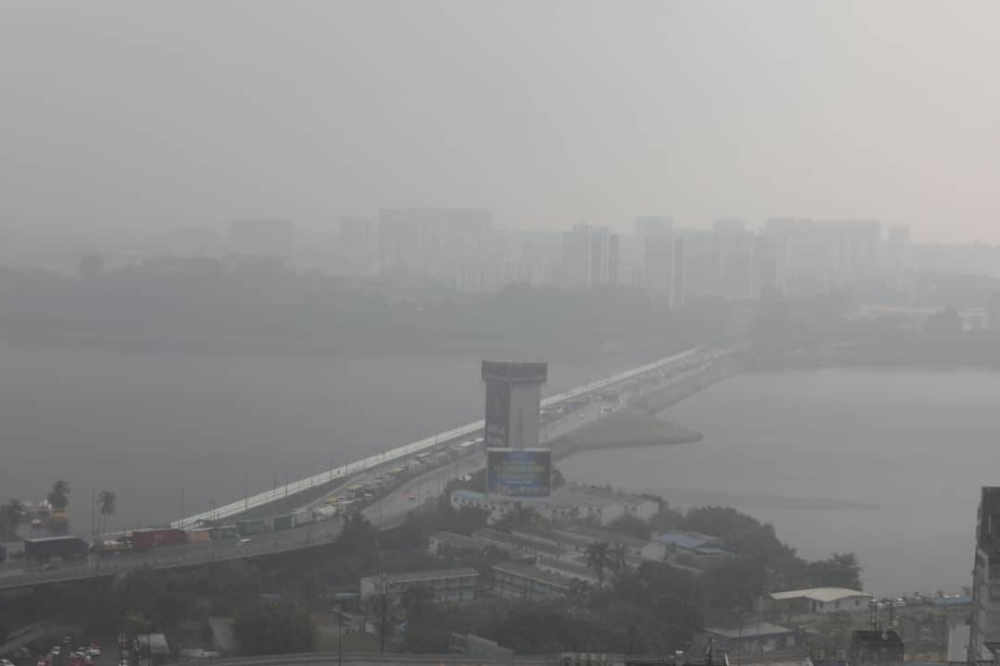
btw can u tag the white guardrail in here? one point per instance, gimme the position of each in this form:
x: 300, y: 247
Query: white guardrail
x: 282, y: 492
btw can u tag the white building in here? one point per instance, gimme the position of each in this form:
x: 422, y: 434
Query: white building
x: 438, y: 243
x: 446, y: 584
x: 561, y: 507
x: 828, y: 599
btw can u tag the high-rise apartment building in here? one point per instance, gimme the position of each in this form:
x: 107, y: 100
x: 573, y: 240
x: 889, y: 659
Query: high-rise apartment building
x: 434, y: 242
x: 357, y: 234
x: 655, y: 236
x: 699, y: 267
x: 984, y: 628
x: 736, y: 266
x: 590, y: 257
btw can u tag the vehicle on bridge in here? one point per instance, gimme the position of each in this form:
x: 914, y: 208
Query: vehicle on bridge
x: 60, y: 547
x: 165, y: 536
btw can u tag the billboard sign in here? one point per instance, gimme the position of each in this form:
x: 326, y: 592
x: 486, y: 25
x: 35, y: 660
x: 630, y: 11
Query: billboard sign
x: 526, y: 473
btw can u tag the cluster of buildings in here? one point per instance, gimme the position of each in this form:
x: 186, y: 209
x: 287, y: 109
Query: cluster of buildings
x: 464, y: 249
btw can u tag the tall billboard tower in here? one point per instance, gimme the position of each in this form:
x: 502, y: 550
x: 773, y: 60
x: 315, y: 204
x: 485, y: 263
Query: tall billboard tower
x: 515, y: 466
x: 513, y: 403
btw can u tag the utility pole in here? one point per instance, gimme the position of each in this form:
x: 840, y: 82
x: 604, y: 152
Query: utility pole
x: 381, y: 632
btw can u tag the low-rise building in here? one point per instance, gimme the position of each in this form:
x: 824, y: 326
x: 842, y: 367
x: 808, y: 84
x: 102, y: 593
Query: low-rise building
x: 634, y: 545
x: 571, y: 570
x: 446, y: 584
x: 441, y: 543
x: 562, y: 507
x: 826, y: 600
x: 642, y: 508
x: 521, y: 581
x: 559, y: 538
x: 507, y: 540
x: 754, y: 637
x: 699, y: 546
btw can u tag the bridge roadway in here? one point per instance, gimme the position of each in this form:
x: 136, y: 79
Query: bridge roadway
x: 386, y: 513
x: 350, y: 659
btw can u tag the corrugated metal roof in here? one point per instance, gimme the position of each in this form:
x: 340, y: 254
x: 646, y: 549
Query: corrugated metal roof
x: 820, y: 594
x: 750, y: 630
x: 681, y: 540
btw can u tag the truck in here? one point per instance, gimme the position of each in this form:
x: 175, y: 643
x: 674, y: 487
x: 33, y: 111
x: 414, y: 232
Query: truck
x: 251, y: 527
x: 109, y: 547
x: 201, y: 535
x: 224, y: 532
x: 61, y: 547
x: 286, y: 522
x: 165, y: 536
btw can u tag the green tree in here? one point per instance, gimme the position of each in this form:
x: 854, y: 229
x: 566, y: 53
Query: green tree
x: 107, y: 504
x: 358, y: 532
x: 58, y: 497
x: 277, y: 627
x: 234, y: 585
x: 730, y: 588
x: 630, y: 525
x: 599, y: 559
x: 838, y: 570
x: 11, y: 514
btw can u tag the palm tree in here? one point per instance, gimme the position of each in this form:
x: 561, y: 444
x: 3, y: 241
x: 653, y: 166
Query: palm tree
x: 599, y: 559
x: 59, y: 495
x: 106, y: 502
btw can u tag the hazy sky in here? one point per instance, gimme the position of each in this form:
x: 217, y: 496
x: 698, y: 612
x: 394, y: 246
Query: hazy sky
x: 163, y: 114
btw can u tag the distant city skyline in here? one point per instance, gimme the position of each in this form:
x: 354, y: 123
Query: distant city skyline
x: 550, y: 114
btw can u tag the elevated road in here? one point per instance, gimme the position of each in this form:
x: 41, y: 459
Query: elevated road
x: 386, y: 512
x: 281, y: 493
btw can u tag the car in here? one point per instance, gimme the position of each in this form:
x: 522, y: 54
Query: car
x: 6, y: 662
x: 123, y: 662
x: 95, y: 650
x: 43, y: 662
x: 412, y: 498
x: 67, y: 639
x: 243, y: 542
x: 56, y: 650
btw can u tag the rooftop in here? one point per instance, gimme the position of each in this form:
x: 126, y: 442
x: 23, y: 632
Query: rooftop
x: 534, y: 574
x: 682, y: 540
x: 558, y: 536
x: 507, y: 539
x: 568, y: 569
x: 457, y: 540
x: 820, y: 594
x: 750, y: 630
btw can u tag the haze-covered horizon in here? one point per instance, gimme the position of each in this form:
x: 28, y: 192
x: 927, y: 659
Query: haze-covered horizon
x: 141, y: 116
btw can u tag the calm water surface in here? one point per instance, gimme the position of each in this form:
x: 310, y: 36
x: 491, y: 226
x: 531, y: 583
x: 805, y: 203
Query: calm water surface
x: 885, y: 463
x: 169, y: 430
